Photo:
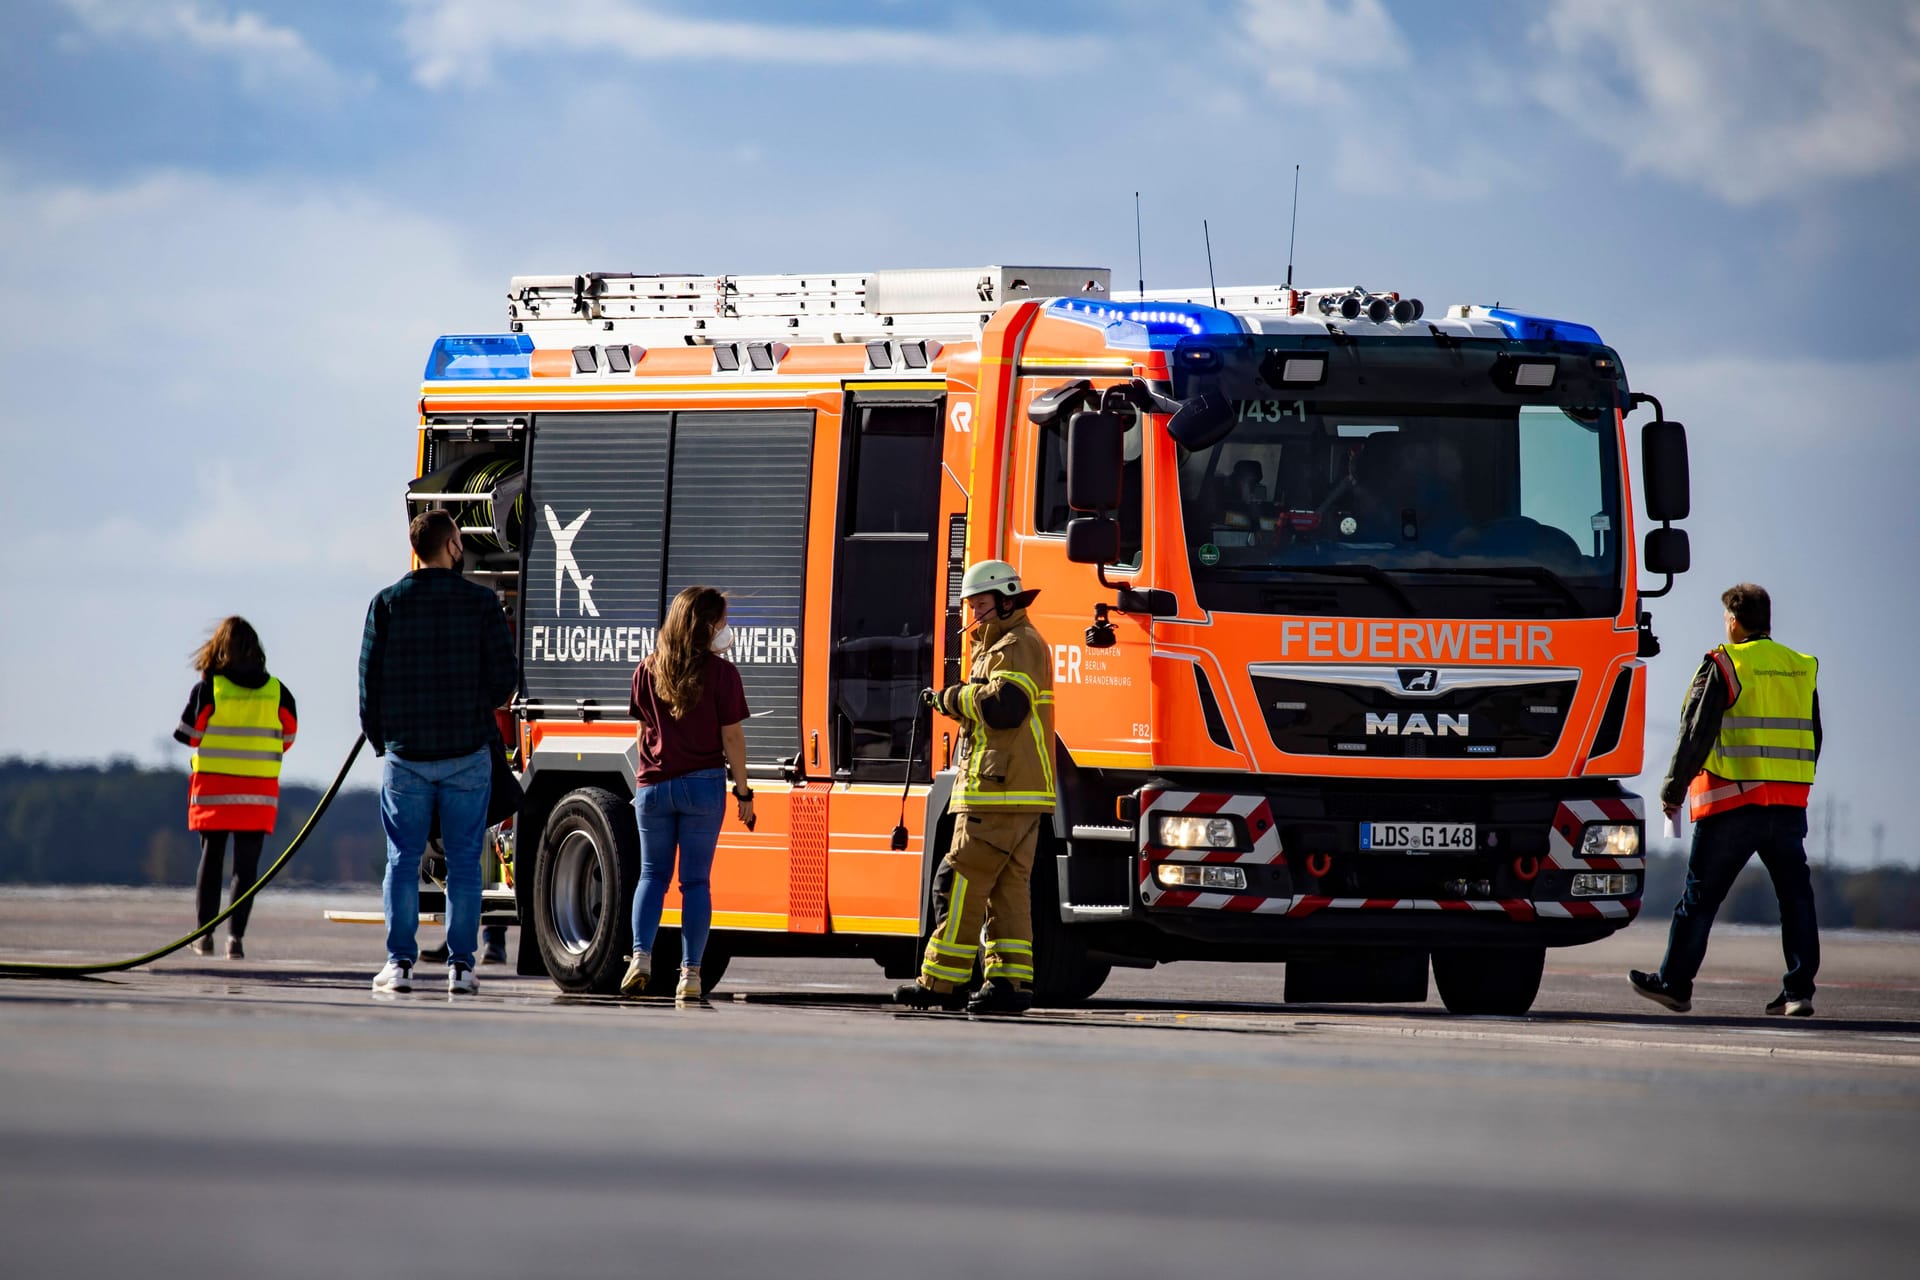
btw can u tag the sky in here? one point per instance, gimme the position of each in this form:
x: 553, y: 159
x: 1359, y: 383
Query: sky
x: 230, y: 232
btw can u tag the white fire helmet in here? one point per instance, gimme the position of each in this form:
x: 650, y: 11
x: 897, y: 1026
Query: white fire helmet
x: 990, y: 575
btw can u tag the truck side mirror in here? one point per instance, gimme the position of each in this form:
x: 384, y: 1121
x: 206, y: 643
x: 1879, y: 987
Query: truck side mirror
x: 1663, y: 460
x: 1667, y: 551
x: 1095, y: 446
x: 1202, y: 422
x: 1093, y: 540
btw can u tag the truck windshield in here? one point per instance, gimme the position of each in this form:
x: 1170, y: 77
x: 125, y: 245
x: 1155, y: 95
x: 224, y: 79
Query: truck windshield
x: 1457, y: 510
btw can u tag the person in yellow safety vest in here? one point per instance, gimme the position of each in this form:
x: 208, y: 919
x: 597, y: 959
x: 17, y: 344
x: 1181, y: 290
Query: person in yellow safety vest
x: 1005, y: 788
x: 239, y: 721
x: 1749, y: 739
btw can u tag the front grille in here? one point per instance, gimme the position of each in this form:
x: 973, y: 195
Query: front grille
x: 1369, y: 712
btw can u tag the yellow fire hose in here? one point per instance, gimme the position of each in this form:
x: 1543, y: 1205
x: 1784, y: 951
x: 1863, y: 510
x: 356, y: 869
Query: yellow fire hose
x: 29, y: 969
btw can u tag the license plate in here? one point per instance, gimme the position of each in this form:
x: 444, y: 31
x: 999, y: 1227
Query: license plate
x: 1418, y: 837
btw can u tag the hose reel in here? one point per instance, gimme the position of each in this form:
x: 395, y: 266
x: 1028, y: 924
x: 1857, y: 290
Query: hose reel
x: 499, y: 488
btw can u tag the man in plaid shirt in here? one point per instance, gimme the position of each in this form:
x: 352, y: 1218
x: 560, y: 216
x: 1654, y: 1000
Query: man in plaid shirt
x: 436, y: 659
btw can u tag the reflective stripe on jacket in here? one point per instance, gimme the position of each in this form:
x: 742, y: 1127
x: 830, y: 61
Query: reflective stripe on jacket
x: 1768, y: 741
x: 1006, y: 710
x: 236, y: 759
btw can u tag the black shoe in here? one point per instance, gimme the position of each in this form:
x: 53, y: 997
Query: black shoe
x: 434, y: 955
x: 1001, y: 996
x: 915, y: 996
x: 496, y: 953
x: 1791, y: 1006
x: 1655, y: 988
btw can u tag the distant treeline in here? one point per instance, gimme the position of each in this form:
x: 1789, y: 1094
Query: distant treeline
x: 121, y: 824
x: 1880, y: 898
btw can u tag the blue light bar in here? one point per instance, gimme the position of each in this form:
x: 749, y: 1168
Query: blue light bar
x: 463, y: 357
x: 1526, y: 328
x: 1158, y: 324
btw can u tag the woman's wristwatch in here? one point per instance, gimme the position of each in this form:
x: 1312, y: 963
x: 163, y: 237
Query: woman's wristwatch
x: 742, y: 792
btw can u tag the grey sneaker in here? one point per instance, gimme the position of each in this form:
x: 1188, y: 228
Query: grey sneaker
x: 397, y: 976
x: 1791, y: 1006
x: 460, y: 980
x: 234, y: 950
x: 639, y: 969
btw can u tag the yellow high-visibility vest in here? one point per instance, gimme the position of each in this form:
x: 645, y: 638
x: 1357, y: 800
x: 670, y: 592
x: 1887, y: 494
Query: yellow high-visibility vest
x: 1766, y: 734
x: 243, y: 737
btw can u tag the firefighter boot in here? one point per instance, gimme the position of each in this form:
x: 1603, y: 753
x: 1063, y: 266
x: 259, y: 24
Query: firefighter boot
x: 915, y: 996
x: 1001, y: 995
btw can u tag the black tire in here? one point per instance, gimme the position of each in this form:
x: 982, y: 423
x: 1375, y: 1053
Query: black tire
x: 1489, y: 980
x: 1063, y: 974
x: 583, y: 892
x: 713, y: 965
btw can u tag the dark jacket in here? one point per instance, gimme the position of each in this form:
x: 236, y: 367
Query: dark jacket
x: 435, y: 660
x: 1700, y: 728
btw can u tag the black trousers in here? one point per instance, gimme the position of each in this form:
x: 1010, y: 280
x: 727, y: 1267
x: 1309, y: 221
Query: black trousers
x: 246, y: 869
x: 1722, y: 844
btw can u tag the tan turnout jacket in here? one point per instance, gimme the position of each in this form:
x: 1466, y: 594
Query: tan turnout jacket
x: 1006, y: 710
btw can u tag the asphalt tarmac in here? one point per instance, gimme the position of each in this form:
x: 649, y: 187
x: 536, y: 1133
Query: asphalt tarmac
x: 271, y: 1117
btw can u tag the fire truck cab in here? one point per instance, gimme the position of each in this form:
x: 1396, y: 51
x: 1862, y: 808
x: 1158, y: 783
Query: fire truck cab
x: 1343, y: 600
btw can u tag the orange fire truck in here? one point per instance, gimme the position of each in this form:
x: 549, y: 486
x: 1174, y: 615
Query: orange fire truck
x: 1343, y: 600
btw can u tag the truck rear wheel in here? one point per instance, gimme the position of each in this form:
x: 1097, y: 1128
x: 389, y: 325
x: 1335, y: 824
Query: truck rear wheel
x: 1489, y: 980
x: 583, y: 891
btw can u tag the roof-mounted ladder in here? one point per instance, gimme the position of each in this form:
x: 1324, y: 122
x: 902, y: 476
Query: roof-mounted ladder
x: 944, y: 302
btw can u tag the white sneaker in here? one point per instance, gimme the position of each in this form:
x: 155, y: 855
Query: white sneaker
x: 460, y: 980
x: 639, y: 969
x: 397, y: 976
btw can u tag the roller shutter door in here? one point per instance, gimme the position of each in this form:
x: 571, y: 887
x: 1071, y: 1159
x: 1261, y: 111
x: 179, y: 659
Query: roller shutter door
x: 738, y: 521
x: 590, y: 608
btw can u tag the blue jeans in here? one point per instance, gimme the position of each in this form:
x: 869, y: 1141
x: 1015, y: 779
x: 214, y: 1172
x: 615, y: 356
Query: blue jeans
x: 1722, y: 843
x: 685, y: 812
x: 410, y: 791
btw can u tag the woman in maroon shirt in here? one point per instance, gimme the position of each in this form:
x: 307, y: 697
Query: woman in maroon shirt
x: 691, y: 707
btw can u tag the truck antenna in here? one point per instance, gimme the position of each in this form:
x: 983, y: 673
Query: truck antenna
x: 1296, y: 224
x: 1211, y: 287
x: 1139, y: 254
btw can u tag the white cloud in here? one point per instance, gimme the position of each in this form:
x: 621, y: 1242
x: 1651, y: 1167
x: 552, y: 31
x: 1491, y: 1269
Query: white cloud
x: 1321, y: 51
x: 1750, y: 99
x: 211, y: 412
x: 269, y: 58
x: 1347, y: 64
x: 458, y: 41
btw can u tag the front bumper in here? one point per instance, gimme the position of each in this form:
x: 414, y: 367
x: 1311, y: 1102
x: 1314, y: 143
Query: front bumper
x: 1308, y: 881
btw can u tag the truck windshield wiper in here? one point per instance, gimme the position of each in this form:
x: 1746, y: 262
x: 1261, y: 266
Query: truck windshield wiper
x: 1364, y: 572
x: 1526, y: 572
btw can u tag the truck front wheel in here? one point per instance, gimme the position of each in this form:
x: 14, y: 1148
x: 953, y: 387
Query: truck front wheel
x: 1064, y: 974
x: 1488, y: 980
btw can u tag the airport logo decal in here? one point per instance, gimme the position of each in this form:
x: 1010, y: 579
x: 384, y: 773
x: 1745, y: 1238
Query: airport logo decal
x: 565, y: 566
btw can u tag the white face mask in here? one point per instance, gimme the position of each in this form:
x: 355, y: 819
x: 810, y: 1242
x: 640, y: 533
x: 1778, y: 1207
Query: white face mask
x: 722, y: 639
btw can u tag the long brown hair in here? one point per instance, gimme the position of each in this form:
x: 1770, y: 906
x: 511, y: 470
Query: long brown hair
x: 233, y: 646
x: 679, y: 661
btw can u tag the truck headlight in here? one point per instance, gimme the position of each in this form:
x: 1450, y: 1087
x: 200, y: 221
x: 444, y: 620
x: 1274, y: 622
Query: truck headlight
x: 1604, y: 884
x: 1610, y: 840
x: 1185, y: 831
x: 1195, y: 875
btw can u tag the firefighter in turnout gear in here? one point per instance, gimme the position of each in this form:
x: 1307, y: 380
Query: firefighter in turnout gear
x: 1005, y: 789
x: 1749, y: 739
